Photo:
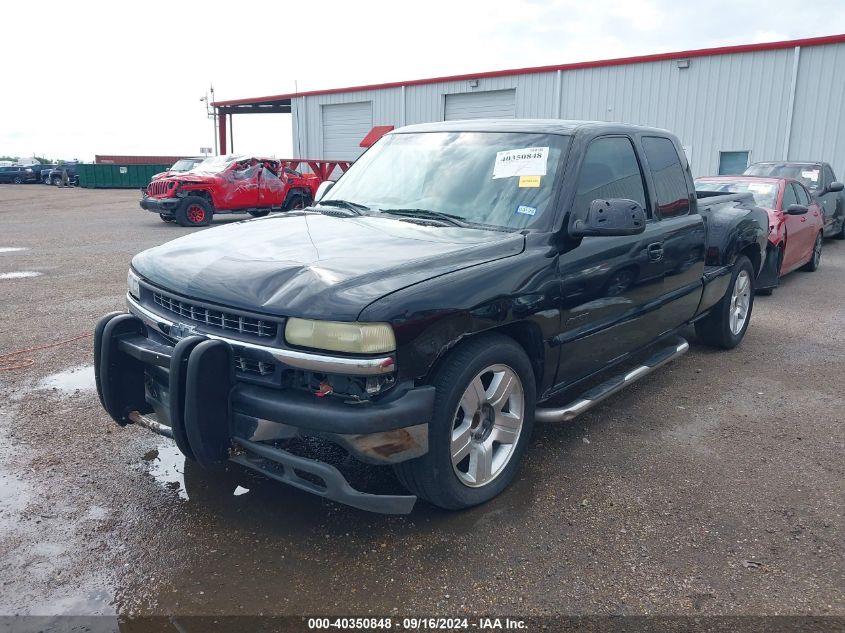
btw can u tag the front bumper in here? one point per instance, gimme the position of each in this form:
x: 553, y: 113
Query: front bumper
x: 188, y: 391
x: 167, y: 206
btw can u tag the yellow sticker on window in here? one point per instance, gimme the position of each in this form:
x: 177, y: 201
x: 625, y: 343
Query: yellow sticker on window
x: 529, y: 181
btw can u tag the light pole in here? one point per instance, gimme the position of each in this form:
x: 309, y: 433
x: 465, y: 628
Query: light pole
x: 211, y: 112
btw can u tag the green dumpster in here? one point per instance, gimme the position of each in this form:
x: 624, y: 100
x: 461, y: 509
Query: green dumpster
x: 117, y: 176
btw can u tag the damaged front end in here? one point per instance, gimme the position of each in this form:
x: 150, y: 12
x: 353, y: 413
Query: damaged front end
x: 229, y: 391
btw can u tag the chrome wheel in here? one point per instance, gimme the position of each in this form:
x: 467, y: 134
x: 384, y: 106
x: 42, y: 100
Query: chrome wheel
x: 487, y: 425
x: 740, y: 301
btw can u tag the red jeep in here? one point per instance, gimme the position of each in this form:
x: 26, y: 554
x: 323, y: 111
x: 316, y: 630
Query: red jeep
x: 229, y: 184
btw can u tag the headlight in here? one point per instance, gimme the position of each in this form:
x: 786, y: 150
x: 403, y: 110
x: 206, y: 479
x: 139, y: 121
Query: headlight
x: 134, y: 285
x: 357, y: 338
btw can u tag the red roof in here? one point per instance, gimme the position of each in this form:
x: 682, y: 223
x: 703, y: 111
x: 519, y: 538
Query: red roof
x: 621, y: 61
x: 375, y: 134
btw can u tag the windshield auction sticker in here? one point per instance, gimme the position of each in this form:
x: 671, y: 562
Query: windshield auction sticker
x: 530, y: 161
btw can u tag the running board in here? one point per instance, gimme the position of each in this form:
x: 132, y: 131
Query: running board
x: 606, y: 389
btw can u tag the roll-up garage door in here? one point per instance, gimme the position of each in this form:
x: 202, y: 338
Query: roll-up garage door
x: 481, y: 105
x: 344, y: 127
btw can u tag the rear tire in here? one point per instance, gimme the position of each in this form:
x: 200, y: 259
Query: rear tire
x: 194, y: 211
x: 166, y: 218
x: 727, y: 322
x: 483, y: 416
x: 17, y: 180
x: 57, y: 180
x: 816, y: 258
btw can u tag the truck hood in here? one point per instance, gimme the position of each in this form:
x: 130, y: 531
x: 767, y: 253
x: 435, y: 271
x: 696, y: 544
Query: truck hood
x: 311, y: 265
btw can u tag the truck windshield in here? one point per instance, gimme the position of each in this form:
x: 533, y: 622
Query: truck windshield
x: 184, y: 165
x: 501, y: 179
x: 765, y: 193
x: 807, y: 175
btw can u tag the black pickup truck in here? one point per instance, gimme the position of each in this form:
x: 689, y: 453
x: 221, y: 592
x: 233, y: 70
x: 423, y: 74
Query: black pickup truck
x: 443, y: 295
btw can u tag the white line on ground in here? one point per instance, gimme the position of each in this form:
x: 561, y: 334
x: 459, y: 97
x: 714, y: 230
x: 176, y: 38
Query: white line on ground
x: 20, y: 275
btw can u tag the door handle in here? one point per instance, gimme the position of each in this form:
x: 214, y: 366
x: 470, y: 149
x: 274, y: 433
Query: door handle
x: 655, y: 251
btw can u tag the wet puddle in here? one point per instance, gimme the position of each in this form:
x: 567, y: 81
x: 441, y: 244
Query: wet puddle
x: 71, y: 380
x: 20, y: 274
x: 167, y: 466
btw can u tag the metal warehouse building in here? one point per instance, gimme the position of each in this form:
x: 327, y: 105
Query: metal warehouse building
x: 730, y: 106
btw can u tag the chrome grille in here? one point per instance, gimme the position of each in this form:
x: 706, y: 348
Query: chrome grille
x: 251, y: 366
x: 216, y: 318
x: 157, y: 188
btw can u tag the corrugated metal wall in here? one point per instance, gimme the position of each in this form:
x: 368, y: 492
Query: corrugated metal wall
x: 731, y: 102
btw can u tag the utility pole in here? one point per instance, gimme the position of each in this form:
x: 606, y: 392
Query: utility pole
x: 211, y: 113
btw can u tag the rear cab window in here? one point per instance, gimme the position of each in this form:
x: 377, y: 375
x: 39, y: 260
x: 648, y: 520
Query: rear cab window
x: 670, y: 183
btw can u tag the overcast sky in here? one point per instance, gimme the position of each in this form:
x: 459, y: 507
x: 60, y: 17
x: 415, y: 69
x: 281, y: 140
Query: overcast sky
x: 83, y: 78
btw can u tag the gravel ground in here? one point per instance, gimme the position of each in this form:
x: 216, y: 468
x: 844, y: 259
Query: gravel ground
x: 714, y: 486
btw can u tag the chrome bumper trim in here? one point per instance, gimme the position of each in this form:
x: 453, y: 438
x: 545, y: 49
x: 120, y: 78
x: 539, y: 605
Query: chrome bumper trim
x: 292, y: 358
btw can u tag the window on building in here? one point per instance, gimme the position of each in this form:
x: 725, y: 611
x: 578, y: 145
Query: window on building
x: 732, y: 163
x: 789, y: 196
x: 610, y: 170
x: 669, y: 180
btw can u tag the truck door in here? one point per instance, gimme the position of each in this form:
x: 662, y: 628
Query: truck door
x: 242, y: 186
x: 683, y: 233
x: 609, y: 285
x: 271, y: 187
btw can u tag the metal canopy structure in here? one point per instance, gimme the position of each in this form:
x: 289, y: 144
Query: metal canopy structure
x: 226, y: 110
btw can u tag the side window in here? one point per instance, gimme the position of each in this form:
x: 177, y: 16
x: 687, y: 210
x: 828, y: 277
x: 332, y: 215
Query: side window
x: 671, y: 186
x: 801, y: 194
x: 788, y: 196
x: 828, y: 175
x: 610, y: 170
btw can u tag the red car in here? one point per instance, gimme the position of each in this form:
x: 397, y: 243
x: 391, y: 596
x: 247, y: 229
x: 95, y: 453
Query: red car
x: 796, y: 222
x: 229, y: 184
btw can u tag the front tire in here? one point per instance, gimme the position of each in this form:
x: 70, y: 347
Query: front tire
x: 483, y: 417
x: 17, y: 180
x: 727, y: 322
x: 297, y: 201
x: 816, y: 258
x: 57, y: 180
x: 194, y: 211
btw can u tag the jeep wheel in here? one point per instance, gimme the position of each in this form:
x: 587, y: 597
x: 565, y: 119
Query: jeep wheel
x: 194, y: 211
x: 166, y: 218
x: 727, y: 322
x: 482, y: 422
x: 297, y: 201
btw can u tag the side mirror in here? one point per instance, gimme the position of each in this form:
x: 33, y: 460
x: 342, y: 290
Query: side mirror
x: 323, y: 189
x: 834, y: 187
x: 615, y: 216
x: 796, y: 209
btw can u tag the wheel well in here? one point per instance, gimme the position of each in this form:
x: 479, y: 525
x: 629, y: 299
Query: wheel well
x: 528, y: 336
x: 753, y: 253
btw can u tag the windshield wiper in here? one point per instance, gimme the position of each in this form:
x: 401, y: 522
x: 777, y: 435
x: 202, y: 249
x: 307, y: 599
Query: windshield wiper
x: 356, y: 208
x: 448, y: 218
